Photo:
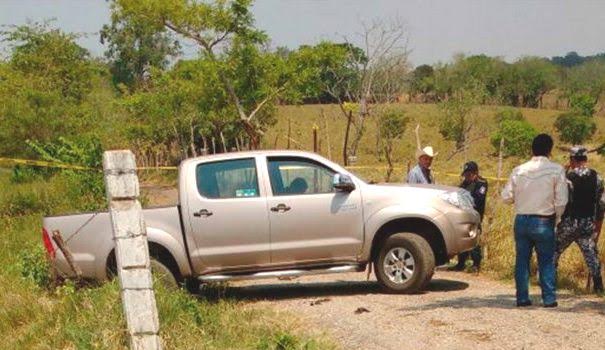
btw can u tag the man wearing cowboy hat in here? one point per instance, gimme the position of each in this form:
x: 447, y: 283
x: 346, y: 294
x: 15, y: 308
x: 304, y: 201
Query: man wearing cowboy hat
x: 421, y: 173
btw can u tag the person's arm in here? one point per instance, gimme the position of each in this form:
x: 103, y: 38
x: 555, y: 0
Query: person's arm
x: 561, y: 193
x: 480, y: 199
x: 600, y: 208
x: 508, y: 192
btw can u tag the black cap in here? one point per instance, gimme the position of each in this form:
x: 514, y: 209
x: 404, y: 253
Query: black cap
x: 578, y: 152
x: 470, y: 166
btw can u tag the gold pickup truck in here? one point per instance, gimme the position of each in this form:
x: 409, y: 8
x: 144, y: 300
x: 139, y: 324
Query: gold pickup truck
x: 283, y: 214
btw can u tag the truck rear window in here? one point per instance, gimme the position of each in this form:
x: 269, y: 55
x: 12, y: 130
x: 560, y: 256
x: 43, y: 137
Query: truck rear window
x: 227, y: 179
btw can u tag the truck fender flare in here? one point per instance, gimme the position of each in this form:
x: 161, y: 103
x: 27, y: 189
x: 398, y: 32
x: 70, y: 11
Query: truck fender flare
x: 164, y: 240
x: 430, y: 219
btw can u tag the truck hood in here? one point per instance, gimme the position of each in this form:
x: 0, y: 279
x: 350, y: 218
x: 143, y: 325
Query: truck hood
x: 409, y: 189
x: 412, y: 196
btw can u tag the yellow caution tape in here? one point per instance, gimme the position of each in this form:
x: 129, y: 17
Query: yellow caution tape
x: 45, y: 164
x: 383, y: 167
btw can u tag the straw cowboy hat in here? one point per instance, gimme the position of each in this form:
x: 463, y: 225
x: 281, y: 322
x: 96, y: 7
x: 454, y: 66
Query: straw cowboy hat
x: 426, y: 151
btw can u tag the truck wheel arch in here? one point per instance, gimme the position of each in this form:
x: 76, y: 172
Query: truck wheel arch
x: 157, y: 252
x: 422, y: 227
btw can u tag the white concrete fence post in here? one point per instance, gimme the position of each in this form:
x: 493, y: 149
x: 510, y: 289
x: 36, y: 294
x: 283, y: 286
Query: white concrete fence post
x: 131, y: 248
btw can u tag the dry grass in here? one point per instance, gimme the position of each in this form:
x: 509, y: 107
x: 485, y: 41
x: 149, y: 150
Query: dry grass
x: 498, y: 221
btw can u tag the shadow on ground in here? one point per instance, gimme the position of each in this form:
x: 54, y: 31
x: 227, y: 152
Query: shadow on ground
x: 283, y: 291
x: 567, y: 303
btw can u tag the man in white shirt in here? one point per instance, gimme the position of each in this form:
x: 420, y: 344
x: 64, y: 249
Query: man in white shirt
x: 538, y: 190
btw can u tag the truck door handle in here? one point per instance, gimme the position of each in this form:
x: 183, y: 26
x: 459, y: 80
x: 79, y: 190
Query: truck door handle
x: 280, y: 207
x: 202, y: 212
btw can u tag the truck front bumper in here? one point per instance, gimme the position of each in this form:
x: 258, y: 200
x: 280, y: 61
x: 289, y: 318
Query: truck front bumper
x: 464, y: 231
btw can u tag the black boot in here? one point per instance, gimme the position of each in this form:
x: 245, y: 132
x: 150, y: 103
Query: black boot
x: 598, y: 285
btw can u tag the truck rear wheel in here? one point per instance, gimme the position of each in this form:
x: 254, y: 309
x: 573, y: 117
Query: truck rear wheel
x: 404, y: 263
x: 163, y: 274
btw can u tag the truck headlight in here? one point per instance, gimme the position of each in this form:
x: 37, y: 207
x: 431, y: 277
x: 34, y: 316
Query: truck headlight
x: 461, y: 199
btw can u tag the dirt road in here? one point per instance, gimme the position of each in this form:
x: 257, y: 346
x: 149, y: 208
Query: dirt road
x: 459, y: 311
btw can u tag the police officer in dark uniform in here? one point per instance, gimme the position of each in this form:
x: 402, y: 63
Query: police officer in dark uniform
x: 477, y: 186
x: 583, y: 214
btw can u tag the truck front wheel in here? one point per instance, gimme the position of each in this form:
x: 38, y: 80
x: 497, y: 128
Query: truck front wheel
x: 404, y: 263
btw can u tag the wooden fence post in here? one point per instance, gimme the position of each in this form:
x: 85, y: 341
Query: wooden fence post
x: 132, y: 251
x: 315, y: 147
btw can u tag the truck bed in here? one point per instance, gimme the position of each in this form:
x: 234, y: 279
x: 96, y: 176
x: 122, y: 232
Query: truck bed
x: 89, y: 237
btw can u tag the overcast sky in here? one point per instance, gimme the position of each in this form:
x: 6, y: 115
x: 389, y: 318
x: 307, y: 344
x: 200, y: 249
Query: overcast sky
x: 437, y: 29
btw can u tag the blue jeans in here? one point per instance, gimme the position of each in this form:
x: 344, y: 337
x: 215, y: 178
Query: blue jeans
x: 538, y: 232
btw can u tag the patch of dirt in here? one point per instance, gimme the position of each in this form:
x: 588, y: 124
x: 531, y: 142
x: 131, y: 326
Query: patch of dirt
x: 458, y: 311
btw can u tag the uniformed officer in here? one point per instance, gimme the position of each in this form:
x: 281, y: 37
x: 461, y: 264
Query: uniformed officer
x: 477, y: 186
x: 583, y: 213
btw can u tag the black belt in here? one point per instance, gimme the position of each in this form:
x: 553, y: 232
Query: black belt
x: 553, y: 216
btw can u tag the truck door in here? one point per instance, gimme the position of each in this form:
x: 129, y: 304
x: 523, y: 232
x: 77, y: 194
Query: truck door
x: 310, y: 221
x: 228, y: 216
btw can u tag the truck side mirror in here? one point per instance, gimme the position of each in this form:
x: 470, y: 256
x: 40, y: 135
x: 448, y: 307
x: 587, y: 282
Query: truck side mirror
x: 343, y: 182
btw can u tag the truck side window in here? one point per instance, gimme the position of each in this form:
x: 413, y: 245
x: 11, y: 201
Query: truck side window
x: 227, y: 179
x: 294, y: 175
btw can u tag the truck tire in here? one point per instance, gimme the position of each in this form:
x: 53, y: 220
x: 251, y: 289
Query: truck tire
x: 162, y: 274
x: 404, y: 264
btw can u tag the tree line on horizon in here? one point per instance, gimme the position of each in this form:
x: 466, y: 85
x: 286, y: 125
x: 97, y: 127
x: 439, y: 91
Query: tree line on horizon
x: 144, y: 96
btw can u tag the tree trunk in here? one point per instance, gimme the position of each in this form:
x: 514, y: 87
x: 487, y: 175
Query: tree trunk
x: 223, y: 143
x: 345, y: 146
x: 289, y: 132
x: 388, y: 150
x: 327, y: 135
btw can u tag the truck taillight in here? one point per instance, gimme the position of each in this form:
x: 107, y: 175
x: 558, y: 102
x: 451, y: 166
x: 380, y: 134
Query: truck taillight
x: 48, y: 244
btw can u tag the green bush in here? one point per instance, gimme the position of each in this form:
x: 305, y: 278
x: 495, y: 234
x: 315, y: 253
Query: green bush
x: 518, y: 136
x: 27, y: 201
x: 34, y: 266
x: 508, y: 114
x: 583, y: 104
x: 85, y: 188
x: 27, y: 174
x: 575, y: 128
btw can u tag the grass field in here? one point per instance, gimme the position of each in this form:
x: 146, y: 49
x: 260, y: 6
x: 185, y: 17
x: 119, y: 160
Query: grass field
x: 498, y: 220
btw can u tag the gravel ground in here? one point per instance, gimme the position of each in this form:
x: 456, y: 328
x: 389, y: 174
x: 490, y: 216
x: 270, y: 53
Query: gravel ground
x: 459, y: 311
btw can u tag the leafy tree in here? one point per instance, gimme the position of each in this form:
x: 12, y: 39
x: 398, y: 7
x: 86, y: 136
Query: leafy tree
x: 45, y: 87
x: 534, y: 77
x: 40, y: 51
x: 422, y: 80
x: 179, y: 108
x: 518, y: 136
x: 226, y: 36
x: 455, y: 123
x: 587, y: 78
x: 391, y: 127
x: 575, y: 128
x: 328, y: 69
x: 583, y: 104
x: 135, y: 47
x: 569, y: 60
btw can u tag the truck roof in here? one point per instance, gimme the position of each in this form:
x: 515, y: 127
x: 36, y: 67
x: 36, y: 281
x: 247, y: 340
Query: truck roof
x: 232, y: 155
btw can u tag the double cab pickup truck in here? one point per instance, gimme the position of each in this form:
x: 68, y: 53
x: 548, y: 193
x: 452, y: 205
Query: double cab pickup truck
x: 283, y: 214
